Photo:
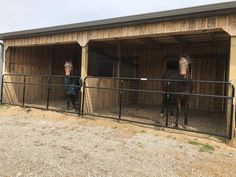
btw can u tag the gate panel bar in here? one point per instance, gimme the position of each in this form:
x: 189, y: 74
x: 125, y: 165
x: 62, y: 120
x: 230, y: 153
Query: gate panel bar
x: 23, y: 100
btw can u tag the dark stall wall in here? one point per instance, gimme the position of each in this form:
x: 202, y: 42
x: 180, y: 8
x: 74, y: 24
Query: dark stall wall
x: 208, y: 63
x: 101, y: 65
x: 62, y: 55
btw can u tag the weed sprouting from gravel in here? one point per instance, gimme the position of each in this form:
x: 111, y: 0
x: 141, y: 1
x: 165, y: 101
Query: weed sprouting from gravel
x: 204, y: 147
x: 4, y: 106
x: 207, y: 148
x: 28, y: 110
x: 194, y: 142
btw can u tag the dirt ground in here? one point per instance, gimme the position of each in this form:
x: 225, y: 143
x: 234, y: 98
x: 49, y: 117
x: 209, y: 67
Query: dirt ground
x: 43, y: 143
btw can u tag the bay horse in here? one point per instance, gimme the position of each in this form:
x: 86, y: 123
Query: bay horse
x: 183, y: 85
x: 72, y: 84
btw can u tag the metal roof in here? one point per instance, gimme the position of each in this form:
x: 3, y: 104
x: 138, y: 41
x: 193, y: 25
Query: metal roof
x: 191, y: 12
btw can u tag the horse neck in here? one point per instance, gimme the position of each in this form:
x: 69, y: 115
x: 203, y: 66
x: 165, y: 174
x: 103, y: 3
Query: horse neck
x: 187, y: 76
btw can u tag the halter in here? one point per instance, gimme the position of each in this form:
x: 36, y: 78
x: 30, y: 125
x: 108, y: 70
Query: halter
x: 68, y: 64
x: 68, y: 68
x: 184, y: 62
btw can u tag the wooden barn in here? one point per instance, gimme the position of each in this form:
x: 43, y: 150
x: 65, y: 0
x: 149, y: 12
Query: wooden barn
x: 141, y: 46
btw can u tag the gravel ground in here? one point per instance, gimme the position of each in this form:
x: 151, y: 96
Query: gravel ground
x: 38, y: 143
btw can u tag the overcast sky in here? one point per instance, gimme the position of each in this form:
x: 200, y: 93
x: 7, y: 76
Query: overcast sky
x: 27, y: 14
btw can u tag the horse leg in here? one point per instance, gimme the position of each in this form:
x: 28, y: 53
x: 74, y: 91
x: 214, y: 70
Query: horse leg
x: 171, y: 106
x: 73, y: 98
x: 186, y: 117
x: 67, y: 102
x: 186, y: 111
x: 163, y: 105
x: 178, y: 106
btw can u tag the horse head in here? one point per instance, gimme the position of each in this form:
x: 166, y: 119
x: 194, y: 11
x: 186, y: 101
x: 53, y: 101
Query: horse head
x: 68, y: 68
x: 184, y: 66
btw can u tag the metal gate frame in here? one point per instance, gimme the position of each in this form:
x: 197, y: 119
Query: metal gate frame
x: 49, y: 85
x: 121, y: 90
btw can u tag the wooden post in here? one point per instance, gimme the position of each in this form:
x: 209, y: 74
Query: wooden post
x: 119, y: 58
x: 84, y: 73
x: 6, y: 60
x: 1, y: 65
x: 232, y: 74
x: 84, y: 62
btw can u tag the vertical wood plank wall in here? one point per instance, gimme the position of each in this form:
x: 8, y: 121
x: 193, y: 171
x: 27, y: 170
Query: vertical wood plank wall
x: 208, y: 63
x: 225, y: 22
x: 37, y: 61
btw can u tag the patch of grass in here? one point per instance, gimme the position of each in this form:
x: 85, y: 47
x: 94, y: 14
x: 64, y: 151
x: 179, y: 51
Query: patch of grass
x: 28, y: 110
x: 194, y: 142
x: 207, y: 148
x: 140, y: 145
x: 204, y: 147
x: 4, y: 106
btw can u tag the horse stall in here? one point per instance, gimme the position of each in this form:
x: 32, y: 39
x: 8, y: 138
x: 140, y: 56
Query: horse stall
x: 143, y: 62
x: 37, y: 74
x: 122, y: 62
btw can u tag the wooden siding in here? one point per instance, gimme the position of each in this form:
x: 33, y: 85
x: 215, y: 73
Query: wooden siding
x: 227, y: 23
x: 37, y: 61
x: 101, y: 99
x: 208, y: 63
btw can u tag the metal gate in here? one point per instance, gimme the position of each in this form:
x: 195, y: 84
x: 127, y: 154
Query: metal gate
x: 139, y: 100
x: 38, y: 91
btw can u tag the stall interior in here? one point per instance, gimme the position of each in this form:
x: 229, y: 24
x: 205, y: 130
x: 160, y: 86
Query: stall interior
x: 149, y: 58
x: 38, y: 63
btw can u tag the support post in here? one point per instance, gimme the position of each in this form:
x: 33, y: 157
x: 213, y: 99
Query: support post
x: 6, y: 60
x: 232, y: 78
x: 1, y: 65
x: 84, y: 62
x: 84, y: 73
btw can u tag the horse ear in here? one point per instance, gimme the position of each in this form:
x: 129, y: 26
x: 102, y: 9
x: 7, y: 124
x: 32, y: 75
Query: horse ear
x: 188, y: 58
